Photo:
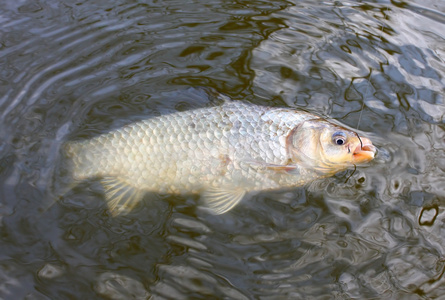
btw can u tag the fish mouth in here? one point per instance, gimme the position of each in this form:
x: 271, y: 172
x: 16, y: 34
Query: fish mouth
x: 364, y: 152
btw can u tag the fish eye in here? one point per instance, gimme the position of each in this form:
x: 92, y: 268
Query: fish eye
x: 339, y: 138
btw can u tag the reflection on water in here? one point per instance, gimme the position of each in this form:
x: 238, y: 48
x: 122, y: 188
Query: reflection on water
x: 78, y: 69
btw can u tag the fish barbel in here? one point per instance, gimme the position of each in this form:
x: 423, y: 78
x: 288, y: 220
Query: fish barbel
x: 221, y: 152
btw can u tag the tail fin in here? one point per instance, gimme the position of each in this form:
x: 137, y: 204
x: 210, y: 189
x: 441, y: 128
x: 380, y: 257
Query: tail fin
x: 63, y: 178
x: 68, y: 171
x: 59, y: 180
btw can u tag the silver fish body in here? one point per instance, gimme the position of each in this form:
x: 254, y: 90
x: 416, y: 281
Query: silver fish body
x: 220, y: 152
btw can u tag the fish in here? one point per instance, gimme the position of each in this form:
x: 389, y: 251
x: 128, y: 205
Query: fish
x: 222, y: 152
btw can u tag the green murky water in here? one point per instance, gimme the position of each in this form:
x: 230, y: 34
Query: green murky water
x: 80, y: 68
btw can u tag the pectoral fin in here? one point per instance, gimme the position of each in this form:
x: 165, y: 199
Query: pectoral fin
x: 121, y: 197
x: 220, y: 201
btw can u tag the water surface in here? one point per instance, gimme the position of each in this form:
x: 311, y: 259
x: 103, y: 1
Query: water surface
x: 77, y: 69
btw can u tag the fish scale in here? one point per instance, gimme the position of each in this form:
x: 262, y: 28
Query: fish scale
x: 221, y: 152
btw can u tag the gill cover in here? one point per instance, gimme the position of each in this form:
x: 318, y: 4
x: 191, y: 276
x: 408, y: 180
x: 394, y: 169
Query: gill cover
x: 315, y: 144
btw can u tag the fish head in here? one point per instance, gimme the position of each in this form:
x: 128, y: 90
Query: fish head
x: 328, y: 147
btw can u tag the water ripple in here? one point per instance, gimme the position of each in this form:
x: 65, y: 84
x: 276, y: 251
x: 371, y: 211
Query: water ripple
x: 79, y: 69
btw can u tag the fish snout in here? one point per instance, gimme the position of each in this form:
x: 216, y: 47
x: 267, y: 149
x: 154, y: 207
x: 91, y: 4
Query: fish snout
x: 365, y: 151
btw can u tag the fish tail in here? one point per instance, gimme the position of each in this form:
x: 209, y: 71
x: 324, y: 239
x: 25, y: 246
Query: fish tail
x: 72, y: 167
x: 66, y: 173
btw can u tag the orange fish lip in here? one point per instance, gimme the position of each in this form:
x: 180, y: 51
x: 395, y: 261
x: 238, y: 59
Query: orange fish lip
x: 364, y: 152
